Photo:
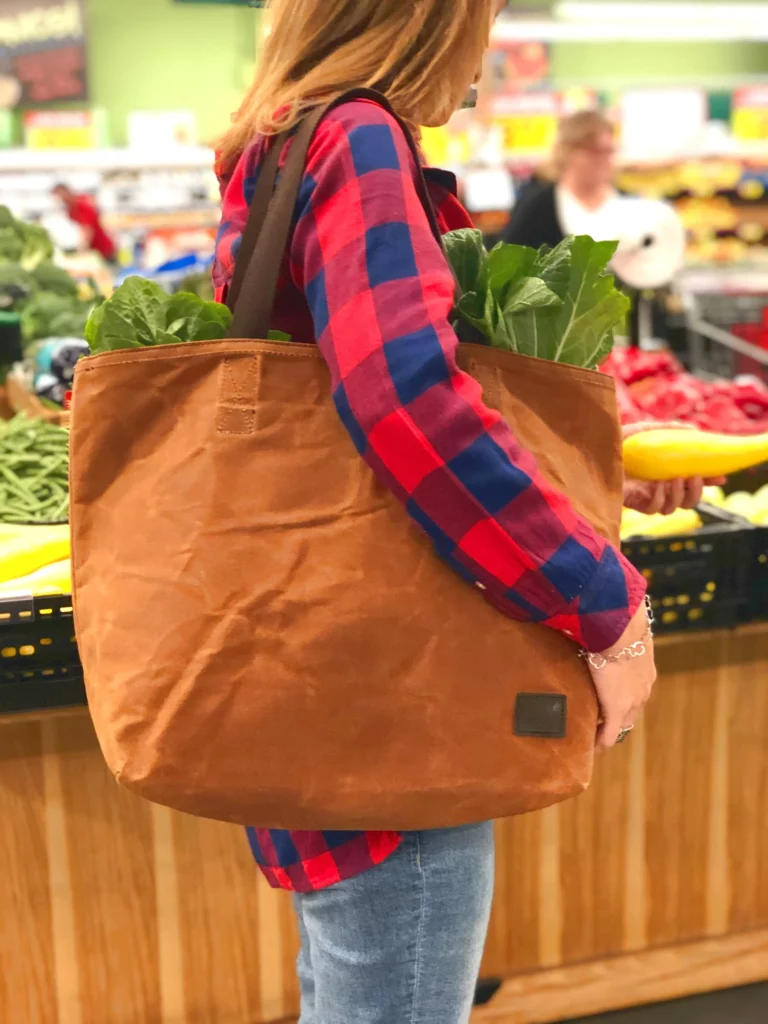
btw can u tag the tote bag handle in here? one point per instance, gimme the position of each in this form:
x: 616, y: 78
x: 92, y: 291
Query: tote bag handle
x: 252, y: 291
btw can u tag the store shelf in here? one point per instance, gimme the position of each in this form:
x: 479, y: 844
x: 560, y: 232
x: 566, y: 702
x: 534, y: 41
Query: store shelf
x: 117, y: 159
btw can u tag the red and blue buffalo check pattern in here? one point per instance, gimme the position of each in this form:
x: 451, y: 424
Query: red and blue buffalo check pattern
x: 365, y: 277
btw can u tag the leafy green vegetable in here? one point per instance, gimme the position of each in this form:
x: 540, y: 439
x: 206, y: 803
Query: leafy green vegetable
x: 141, y: 313
x: 49, y: 315
x: 27, y: 244
x: 16, y: 285
x: 560, y: 304
x: 48, y: 277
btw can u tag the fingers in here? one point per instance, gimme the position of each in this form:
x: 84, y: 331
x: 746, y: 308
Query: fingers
x: 694, y: 489
x: 674, y: 496
x: 657, y: 499
x: 612, y: 727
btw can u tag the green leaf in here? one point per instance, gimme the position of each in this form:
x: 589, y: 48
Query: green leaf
x: 93, y: 327
x: 278, y: 336
x: 530, y: 293
x: 466, y: 254
x: 508, y: 265
x: 142, y: 313
x: 553, y: 266
x: 580, y: 330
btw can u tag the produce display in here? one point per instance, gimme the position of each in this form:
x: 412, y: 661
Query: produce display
x: 753, y: 507
x: 53, y: 578
x: 34, y: 465
x: 638, y: 524
x: 654, y: 386
x: 560, y: 304
x: 28, y: 549
x: 47, y: 298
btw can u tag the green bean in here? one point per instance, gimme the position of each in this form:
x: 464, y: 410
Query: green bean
x: 34, y: 466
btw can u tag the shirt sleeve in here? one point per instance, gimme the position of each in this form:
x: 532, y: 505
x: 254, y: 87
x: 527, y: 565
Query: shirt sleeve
x: 380, y: 293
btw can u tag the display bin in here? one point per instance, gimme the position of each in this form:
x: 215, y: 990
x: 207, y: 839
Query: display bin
x: 21, y: 399
x: 758, y: 603
x: 39, y: 663
x: 700, y: 580
x: 726, y: 325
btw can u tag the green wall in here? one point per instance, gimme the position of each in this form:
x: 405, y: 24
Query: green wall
x: 162, y: 55
x: 610, y: 64
x: 159, y: 54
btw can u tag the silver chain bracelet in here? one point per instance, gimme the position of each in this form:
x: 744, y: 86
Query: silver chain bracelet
x: 635, y: 650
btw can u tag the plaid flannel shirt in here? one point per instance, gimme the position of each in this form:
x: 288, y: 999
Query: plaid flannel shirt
x: 365, y: 278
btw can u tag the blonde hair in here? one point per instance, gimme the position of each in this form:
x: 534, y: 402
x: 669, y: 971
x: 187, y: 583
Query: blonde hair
x: 421, y: 54
x: 575, y: 131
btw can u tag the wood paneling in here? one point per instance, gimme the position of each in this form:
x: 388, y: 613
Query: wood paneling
x: 116, y: 912
x: 27, y: 971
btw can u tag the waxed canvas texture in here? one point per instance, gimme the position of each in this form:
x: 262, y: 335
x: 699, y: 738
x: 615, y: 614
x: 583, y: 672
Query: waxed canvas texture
x: 268, y: 639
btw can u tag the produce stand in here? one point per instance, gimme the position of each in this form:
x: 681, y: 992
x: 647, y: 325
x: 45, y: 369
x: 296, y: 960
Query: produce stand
x: 653, y: 885
x: 21, y: 399
x: 6, y: 411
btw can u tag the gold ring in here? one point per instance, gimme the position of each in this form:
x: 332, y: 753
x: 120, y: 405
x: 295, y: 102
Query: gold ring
x: 624, y: 733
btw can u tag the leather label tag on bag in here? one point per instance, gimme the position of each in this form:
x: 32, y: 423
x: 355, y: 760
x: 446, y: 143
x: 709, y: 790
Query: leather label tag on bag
x: 543, y: 715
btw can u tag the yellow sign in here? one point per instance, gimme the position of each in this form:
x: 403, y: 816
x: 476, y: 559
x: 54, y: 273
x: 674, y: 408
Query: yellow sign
x: 531, y: 133
x: 749, y: 119
x: 59, y: 129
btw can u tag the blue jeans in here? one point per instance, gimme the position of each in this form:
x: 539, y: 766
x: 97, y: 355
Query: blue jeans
x: 402, y: 943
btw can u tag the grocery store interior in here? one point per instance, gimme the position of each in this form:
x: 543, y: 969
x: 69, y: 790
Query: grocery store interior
x: 642, y: 901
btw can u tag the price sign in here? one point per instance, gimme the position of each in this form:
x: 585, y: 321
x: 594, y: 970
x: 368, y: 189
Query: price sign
x: 749, y: 119
x: 531, y: 133
x: 60, y: 129
x: 43, y: 46
x: 529, y: 121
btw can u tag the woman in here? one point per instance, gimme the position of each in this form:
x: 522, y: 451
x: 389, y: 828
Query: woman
x: 393, y: 926
x: 579, y: 197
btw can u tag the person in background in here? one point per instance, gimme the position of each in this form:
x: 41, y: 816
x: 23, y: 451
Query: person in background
x: 84, y: 212
x: 575, y: 195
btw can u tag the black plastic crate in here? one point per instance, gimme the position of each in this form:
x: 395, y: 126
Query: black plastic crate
x: 758, y: 602
x: 37, y: 634
x: 47, y: 688
x: 699, y: 580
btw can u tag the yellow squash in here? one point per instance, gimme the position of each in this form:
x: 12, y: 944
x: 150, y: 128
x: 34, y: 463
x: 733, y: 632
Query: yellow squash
x: 51, y: 579
x: 30, y: 548
x: 667, y: 454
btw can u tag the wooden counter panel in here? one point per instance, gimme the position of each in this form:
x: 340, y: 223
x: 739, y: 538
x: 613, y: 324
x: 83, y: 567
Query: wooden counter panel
x: 514, y: 930
x: 117, y: 912
x: 746, y: 706
x: 27, y: 972
x: 109, y: 846
x: 680, y: 725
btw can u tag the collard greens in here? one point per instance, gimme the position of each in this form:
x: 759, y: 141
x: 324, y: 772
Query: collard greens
x: 560, y: 304
x: 141, y: 313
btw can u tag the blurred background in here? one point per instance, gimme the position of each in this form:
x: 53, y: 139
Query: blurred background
x: 644, y: 121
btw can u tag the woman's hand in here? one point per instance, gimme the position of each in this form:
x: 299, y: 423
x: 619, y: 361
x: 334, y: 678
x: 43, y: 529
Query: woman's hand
x: 623, y: 687
x: 662, y: 496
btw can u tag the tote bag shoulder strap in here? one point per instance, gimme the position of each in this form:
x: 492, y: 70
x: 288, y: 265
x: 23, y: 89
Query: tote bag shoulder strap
x: 254, y: 283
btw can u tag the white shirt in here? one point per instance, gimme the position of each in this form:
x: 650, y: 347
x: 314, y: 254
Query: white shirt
x: 602, y: 223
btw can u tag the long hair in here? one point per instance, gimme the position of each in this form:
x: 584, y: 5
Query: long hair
x: 575, y: 131
x: 421, y: 54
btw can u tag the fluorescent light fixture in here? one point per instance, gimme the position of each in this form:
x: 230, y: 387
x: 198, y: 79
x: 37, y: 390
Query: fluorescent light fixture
x: 637, y: 10
x: 653, y: 27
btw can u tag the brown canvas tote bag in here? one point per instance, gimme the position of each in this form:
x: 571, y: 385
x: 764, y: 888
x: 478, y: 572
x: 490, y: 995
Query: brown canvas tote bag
x: 267, y: 637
